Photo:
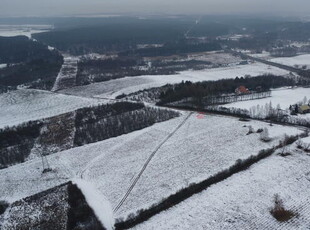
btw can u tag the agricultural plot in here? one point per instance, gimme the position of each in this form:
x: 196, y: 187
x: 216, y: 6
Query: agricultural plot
x: 203, y: 146
x: 26, y: 105
x: 244, y: 201
x: 216, y: 58
x: 283, y: 96
x: 301, y: 60
x: 127, y: 85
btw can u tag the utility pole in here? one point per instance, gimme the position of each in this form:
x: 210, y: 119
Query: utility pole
x: 45, y: 164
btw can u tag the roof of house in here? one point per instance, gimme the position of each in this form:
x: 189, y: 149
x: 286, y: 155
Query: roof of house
x: 242, y: 89
x: 304, y: 107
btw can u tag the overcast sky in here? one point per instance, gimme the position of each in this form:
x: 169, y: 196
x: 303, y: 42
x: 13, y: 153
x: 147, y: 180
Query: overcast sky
x: 77, y: 7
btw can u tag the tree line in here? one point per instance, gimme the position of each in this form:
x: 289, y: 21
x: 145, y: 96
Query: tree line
x: 200, y: 90
x: 90, y: 125
x: 99, y: 124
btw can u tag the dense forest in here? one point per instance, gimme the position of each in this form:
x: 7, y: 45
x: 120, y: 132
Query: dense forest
x: 123, y: 34
x: 29, y: 62
x: 111, y: 37
x: 200, y: 90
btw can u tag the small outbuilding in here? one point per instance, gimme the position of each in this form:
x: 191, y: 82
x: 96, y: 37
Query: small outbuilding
x: 304, y: 109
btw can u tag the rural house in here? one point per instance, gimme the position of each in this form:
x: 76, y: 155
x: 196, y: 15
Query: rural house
x: 242, y: 90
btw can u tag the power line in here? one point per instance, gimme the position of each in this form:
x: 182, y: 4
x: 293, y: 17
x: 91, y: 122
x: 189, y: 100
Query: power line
x: 148, y: 161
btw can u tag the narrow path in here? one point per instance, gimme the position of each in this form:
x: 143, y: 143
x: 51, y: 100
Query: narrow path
x: 148, y: 161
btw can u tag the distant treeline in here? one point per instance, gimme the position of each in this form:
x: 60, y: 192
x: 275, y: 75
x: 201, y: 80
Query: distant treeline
x: 200, y: 90
x: 121, y: 34
x: 110, y: 37
x: 174, y: 48
x: 29, y: 62
x: 270, y: 34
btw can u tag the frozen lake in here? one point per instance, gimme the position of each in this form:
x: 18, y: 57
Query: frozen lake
x: 26, y: 30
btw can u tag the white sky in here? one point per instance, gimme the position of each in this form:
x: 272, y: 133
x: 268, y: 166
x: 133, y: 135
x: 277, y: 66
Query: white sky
x: 74, y: 7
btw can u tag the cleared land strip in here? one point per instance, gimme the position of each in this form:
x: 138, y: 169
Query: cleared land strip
x: 67, y: 75
x: 148, y: 161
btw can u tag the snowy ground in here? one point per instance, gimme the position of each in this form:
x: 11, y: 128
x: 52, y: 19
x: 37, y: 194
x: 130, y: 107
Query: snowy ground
x: 306, y: 140
x: 264, y: 55
x: 113, y: 88
x: 292, y: 61
x: 204, y: 146
x: 216, y: 58
x: 243, y: 201
x: 27, y: 104
x: 26, y: 30
x: 283, y: 96
x: 2, y: 66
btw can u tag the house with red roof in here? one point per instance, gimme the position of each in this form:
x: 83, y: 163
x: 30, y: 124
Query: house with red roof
x: 242, y: 90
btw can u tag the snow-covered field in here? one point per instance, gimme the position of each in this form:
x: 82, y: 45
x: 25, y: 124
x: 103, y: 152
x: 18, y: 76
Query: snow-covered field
x: 113, y: 88
x: 243, y: 201
x: 26, y: 104
x: 2, y: 66
x: 284, y: 97
x: 26, y: 30
x: 216, y: 58
x: 292, y: 61
x: 204, y: 146
x: 263, y: 55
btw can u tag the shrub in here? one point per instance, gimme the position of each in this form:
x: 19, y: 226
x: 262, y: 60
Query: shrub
x: 264, y: 136
x: 299, y: 144
x: 279, y: 212
x: 307, y: 148
x: 244, y: 119
x: 3, y: 206
x: 259, y: 130
x: 285, y: 154
x: 251, y: 130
